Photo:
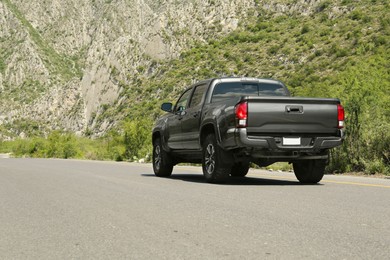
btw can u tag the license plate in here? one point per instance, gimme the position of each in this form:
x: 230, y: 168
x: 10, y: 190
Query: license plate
x: 291, y: 141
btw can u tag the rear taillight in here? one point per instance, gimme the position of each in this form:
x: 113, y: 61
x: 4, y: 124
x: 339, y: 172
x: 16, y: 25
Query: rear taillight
x: 340, y: 116
x: 242, y: 114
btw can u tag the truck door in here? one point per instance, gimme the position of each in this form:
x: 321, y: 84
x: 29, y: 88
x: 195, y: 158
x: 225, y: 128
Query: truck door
x: 174, y: 121
x: 191, y: 119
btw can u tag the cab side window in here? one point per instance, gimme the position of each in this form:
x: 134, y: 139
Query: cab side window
x: 196, y: 99
x: 181, y: 104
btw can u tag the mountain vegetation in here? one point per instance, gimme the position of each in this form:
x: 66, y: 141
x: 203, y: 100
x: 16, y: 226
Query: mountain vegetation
x: 317, y: 48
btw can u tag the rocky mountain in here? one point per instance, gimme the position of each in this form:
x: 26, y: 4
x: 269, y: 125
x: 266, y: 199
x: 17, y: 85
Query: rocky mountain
x: 75, y: 65
x: 60, y: 61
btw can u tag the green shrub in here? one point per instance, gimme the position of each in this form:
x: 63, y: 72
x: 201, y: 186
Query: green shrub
x: 357, y: 15
x: 305, y: 29
x: 323, y: 5
x: 375, y: 166
x: 62, y: 145
x: 273, y: 50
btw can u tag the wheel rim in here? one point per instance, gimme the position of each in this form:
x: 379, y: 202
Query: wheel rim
x: 157, y: 157
x: 210, y: 159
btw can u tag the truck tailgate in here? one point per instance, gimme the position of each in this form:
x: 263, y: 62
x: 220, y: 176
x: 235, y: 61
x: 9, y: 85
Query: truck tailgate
x: 291, y: 116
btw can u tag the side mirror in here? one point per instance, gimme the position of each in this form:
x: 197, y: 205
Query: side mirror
x: 167, y: 107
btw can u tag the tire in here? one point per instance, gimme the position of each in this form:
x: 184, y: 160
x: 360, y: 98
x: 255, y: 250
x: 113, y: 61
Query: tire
x: 215, y: 161
x: 162, y: 162
x: 240, y: 169
x: 310, y: 171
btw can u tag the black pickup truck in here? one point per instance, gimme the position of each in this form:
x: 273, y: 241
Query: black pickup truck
x: 227, y: 123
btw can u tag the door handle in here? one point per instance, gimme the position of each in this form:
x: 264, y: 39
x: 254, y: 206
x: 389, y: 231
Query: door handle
x: 181, y: 114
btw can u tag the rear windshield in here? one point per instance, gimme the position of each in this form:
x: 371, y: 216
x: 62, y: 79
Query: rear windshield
x: 230, y: 90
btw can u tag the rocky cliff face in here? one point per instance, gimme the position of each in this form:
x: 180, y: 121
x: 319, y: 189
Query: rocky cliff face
x: 61, y: 60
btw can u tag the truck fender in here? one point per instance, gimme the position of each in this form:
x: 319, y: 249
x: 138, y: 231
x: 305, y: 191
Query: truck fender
x: 209, y: 126
x: 159, y: 134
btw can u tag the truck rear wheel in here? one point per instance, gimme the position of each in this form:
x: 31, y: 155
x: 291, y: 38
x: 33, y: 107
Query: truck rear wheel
x: 239, y: 169
x: 162, y: 162
x: 214, y: 161
x: 309, y: 171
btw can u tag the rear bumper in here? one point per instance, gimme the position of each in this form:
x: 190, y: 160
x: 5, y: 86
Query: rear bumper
x: 308, y: 144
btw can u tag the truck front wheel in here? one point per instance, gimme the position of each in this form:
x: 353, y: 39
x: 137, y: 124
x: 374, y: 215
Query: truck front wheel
x: 214, y: 161
x: 162, y: 162
x: 310, y: 171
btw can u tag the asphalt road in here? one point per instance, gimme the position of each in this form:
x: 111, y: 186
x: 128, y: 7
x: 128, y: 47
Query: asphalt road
x: 68, y: 209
